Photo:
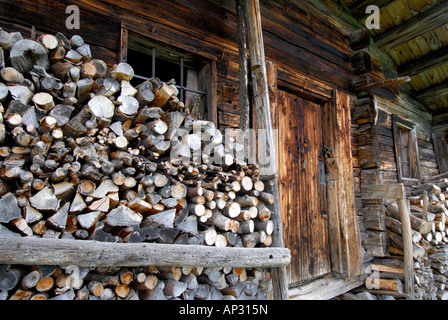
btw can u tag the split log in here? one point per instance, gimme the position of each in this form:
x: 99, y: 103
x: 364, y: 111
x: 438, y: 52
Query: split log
x: 10, y: 209
x: 162, y: 95
x: 174, y: 288
x: 127, y: 110
x: 101, y: 107
x: 122, y: 71
x: 123, y: 216
x: 145, y: 93
x: 25, y: 54
x: 59, y: 219
x: 164, y: 219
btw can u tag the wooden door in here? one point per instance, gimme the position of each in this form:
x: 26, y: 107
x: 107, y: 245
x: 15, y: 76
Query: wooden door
x: 302, y: 188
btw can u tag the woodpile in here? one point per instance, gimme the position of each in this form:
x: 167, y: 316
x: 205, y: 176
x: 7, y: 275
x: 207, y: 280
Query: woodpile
x: 86, y: 155
x: 429, y: 203
x: 428, y: 215
x: 19, y: 282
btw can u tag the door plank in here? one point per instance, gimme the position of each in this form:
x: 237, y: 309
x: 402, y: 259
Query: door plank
x: 305, y: 224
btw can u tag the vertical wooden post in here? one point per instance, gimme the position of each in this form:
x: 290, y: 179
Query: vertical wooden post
x: 398, y: 192
x: 243, y: 70
x: 407, y: 246
x: 123, y: 54
x: 344, y: 237
x: 266, y: 150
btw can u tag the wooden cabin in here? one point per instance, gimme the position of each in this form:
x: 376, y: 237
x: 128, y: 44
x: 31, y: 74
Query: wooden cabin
x: 350, y: 106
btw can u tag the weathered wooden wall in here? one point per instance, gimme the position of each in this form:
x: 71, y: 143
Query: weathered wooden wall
x: 312, y: 57
x: 374, y: 156
x: 297, y: 42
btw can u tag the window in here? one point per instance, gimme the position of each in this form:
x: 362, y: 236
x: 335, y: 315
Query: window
x: 406, y: 150
x: 441, y: 149
x: 192, y: 74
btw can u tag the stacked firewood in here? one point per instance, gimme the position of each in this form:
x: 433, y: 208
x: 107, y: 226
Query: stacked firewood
x: 87, y: 155
x: 19, y: 282
x: 429, y: 203
x: 428, y: 215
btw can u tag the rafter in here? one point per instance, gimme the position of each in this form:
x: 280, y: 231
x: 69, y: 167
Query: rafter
x: 359, y: 8
x: 433, y: 92
x: 423, y: 63
x: 440, y: 120
x: 413, y: 27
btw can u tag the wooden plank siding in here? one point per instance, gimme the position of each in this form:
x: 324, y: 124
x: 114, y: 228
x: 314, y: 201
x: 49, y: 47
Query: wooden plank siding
x: 21, y: 15
x: 302, y: 192
x: 426, y: 152
x: 312, y: 112
x: 297, y: 42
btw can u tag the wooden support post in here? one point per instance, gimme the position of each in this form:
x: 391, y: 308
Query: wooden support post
x: 407, y: 248
x: 123, y: 57
x: 266, y: 150
x: 345, y: 244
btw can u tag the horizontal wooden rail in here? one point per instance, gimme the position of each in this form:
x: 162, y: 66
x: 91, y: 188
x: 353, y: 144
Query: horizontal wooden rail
x: 383, y: 191
x: 87, y: 253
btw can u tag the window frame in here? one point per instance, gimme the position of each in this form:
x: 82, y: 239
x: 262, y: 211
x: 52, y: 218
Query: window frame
x: 208, y: 72
x: 398, y: 126
x: 440, y: 141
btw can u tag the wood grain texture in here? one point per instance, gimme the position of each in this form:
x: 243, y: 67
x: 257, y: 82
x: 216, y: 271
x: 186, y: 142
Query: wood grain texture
x: 87, y: 253
x: 302, y: 195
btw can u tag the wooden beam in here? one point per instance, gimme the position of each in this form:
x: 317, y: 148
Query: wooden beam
x: 266, y: 149
x: 325, y: 288
x: 382, y: 84
x: 124, y: 40
x: 440, y: 120
x: 423, y: 63
x: 382, y: 191
x: 413, y: 27
x: 332, y: 15
x: 359, y: 39
x: 433, y: 92
x: 407, y: 248
x: 87, y: 253
x: 343, y: 233
x: 358, y: 9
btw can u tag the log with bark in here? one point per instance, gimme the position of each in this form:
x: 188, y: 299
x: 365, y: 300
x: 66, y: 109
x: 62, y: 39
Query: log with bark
x: 428, y: 214
x: 22, y: 282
